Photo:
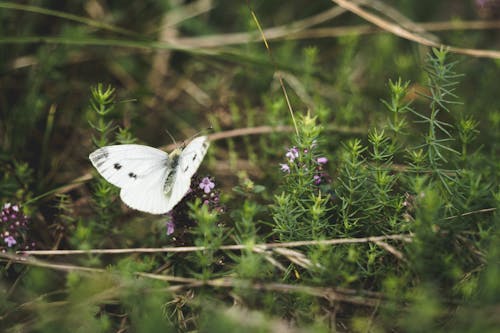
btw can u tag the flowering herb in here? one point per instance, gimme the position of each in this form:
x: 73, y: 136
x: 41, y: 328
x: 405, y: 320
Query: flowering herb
x: 13, y: 229
x: 201, y: 188
x: 301, y: 210
x: 293, y: 154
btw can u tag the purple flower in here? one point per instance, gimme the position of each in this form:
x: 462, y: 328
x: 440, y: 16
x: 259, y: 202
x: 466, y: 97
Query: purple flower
x: 322, y: 160
x: 10, y: 241
x: 207, y: 185
x: 317, y: 179
x: 14, y: 228
x: 285, y: 167
x: 170, y: 227
x: 292, y: 154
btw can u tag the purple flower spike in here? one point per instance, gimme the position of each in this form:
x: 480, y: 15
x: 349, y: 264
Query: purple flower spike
x: 322, y: 160
x: 285, y: 167
x: 292, y: 154
x: 13, y: 228
x: 317, y: 179
x: 207, y: 185
x: 10, y: 241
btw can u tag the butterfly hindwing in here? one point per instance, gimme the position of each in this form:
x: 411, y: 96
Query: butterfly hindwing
x: 148, y: 195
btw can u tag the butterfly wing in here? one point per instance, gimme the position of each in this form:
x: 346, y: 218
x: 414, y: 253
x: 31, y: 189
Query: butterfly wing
x: 189, y: 161
x: 148, y: 195
x: 140, y: 172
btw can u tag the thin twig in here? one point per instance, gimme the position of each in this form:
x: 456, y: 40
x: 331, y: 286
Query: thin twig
x: 227, y: 39
x: 401, y: 32
x: 264, y: 246
x: 212, y: 137
x: 359, y: 297
x: 39, y: 263
x: 485, y: 210
x: 350, y: 296
x: 365, y: 29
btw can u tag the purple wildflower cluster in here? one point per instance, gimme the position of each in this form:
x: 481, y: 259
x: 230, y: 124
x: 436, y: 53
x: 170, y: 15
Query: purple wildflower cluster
x: 293, y: 154
x: 203, y: 188
x: 13, y: 229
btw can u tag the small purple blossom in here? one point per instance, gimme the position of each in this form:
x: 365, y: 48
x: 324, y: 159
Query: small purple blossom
x: 317, y: 179
x: 170, y: 227
x: 10, y: 241
x: 207, y: 185
x: 322, y: 160
x: 285, y: 167
x: 292, y: 154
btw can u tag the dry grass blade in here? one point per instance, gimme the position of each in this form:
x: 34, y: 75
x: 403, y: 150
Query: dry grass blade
x: 401, y: 32
x: 270, y: 33
x: 296, y: 257
x: 336, y: 241
x: 391, y: 249
x: 398, y: 17
x: 268, y: 256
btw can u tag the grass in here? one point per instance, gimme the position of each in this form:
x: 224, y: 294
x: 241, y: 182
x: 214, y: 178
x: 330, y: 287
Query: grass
x: 356, y: 169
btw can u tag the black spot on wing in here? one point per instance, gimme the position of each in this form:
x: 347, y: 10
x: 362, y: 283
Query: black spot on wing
x: 205, y: 145
x: 186, y: 169
x: 117, y: 166
x: 132, y: 175
x: 194, y: 157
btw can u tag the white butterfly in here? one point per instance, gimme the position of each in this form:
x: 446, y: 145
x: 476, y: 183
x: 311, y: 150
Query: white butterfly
x: 150, y: 180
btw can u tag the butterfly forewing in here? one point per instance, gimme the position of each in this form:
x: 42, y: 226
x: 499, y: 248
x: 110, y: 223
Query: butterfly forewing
x: 127, y: 165
x: 189, y: 161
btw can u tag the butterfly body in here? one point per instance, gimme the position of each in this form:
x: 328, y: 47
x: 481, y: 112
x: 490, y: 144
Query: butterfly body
x: 150, y: 180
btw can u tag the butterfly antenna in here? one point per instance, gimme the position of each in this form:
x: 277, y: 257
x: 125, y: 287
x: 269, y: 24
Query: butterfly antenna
x: 172, y: 138
x: 208, y: 129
